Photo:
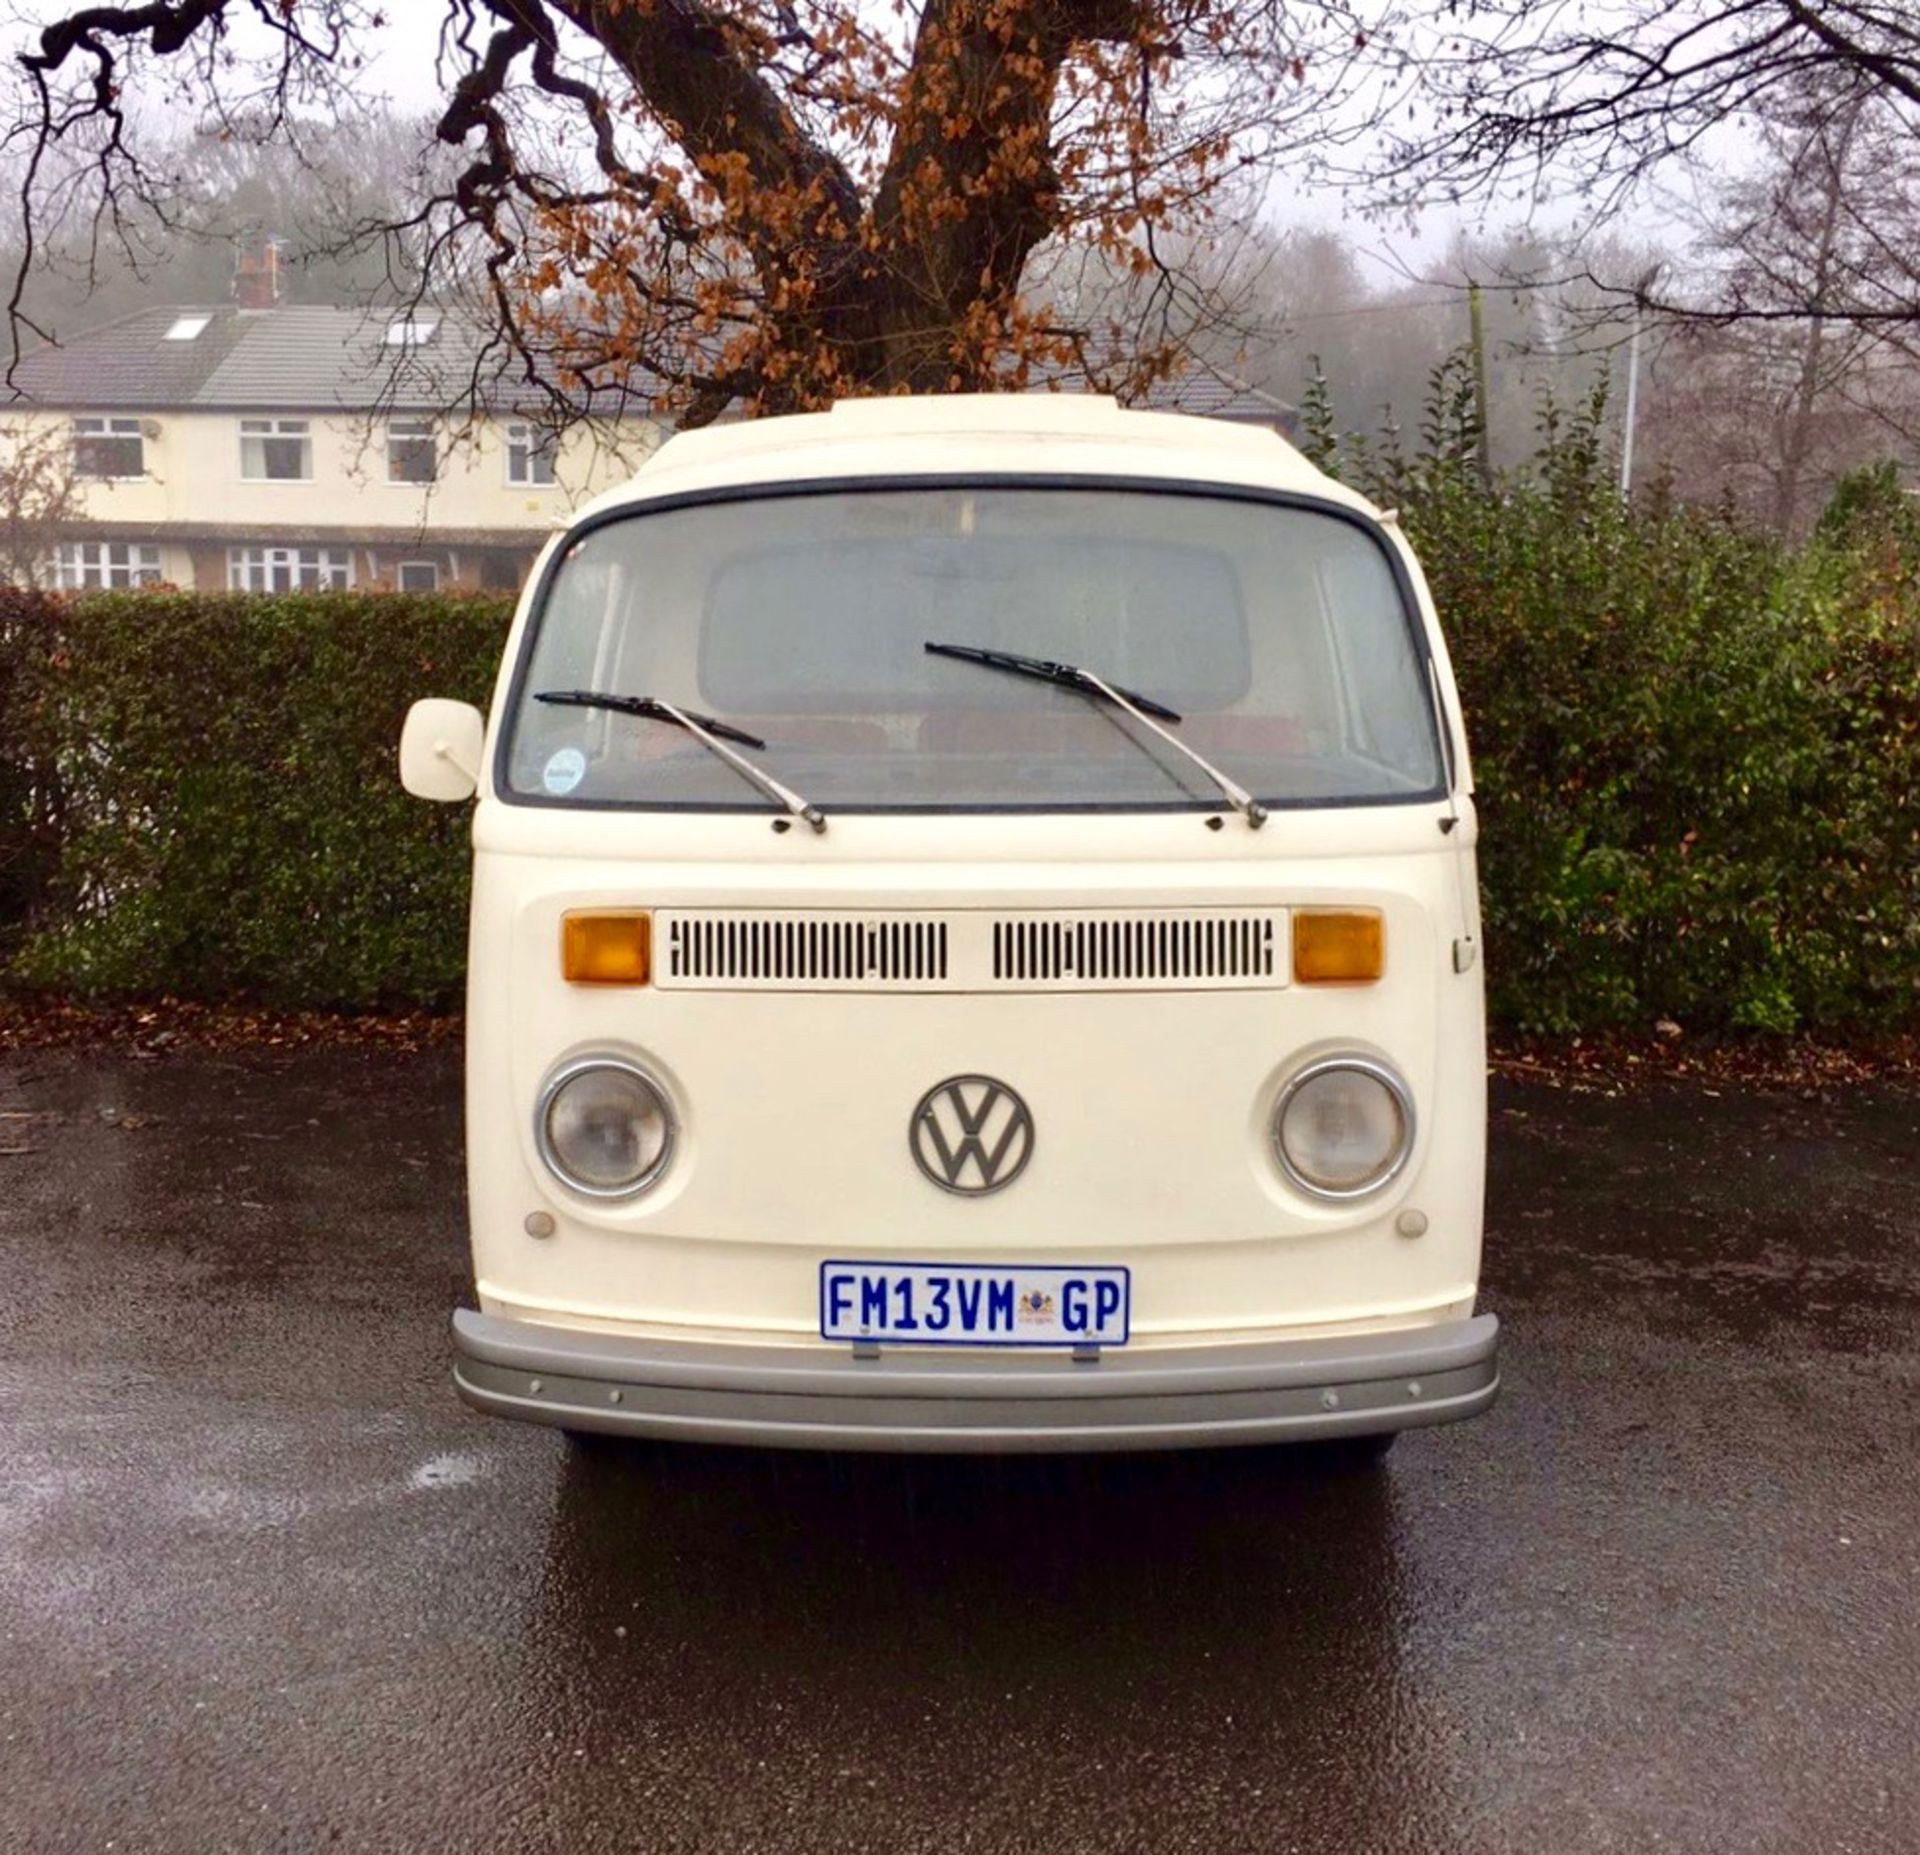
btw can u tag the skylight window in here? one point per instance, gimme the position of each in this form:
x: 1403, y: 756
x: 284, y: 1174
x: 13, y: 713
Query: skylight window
x: 412, y: 333
x: 186, y: 328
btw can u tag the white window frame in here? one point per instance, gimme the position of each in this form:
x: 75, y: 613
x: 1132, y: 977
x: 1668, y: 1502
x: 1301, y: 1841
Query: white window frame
x: 402, y: 568
x: 528, y: 446
x: 80, y: 566
x: 289, y: 567
x: 109, y: 429
x: 413, y: 431
x: 267, y: 430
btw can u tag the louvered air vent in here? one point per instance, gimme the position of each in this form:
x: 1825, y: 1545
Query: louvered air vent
x: 814, y: 950
x: 1164, y: 948
x: 970, y: 950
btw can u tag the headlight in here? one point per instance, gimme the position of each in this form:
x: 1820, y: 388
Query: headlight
x: 1343, y: 1127
x: 604, y: 1127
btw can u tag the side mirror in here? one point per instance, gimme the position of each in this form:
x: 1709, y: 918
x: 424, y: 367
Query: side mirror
x: 440, y: 749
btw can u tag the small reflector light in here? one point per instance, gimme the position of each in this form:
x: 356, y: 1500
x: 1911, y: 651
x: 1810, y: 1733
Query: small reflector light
x: 1338, y: 946
x: 606, y: 946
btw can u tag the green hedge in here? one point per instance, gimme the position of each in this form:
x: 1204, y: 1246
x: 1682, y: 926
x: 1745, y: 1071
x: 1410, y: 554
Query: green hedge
x: 1698, y: 764
x: 200, y: 795
x: 1697, y: 749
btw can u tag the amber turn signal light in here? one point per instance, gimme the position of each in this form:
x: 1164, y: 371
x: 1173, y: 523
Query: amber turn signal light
x: 1338, y: 946
x: 606, y: 946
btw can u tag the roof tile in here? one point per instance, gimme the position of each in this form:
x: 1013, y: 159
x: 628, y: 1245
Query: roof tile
x: 297, y: 357
x: 311, y: 358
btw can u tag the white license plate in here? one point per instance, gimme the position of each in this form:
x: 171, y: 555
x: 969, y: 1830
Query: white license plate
x: 973, y: 1304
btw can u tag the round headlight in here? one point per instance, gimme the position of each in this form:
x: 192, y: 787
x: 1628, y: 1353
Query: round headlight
x: 1343, y: 1127
x: 604, y: 1127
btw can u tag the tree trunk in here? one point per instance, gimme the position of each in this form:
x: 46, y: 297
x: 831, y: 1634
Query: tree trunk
x: 911, y: 293
x: 1797, y: 440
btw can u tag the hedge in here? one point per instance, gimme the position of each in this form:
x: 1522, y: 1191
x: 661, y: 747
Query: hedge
x: 1696, y: 750
x: 1697, y: 753
x: 200, y: 795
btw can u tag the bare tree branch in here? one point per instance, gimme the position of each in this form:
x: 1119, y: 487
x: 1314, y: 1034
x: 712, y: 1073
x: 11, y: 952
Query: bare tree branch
x: 693, y: 202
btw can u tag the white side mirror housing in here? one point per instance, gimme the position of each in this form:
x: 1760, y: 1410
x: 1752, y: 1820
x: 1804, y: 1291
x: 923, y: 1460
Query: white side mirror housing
x: 440, y: 749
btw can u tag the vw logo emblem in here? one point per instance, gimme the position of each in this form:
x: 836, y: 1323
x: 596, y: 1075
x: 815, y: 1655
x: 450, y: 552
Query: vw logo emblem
x: 971, y: 1134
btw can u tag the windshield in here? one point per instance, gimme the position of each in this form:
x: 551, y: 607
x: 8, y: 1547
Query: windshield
x: 1279, y: 635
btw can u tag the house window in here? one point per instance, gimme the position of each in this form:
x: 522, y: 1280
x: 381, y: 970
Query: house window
x: 412, y: 453
x: 418, y: 576
x: 108, y: 448
x: 502, y: 573
x: 275, y: 450
x: 187, y: 328
x: 105, y: 563
x: 412, y: 332
x: 289, y: 569
x: 530, y: 454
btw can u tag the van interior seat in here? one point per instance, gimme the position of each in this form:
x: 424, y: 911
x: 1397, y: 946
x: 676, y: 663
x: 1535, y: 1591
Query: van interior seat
x: 1248, y: 734
x: 835, y: 733
x: 1094, y: 731
x: 975, y: 732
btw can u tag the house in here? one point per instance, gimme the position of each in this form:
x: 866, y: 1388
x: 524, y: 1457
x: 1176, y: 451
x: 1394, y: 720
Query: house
x: 262, y: 446
x: 1207, y: 393
x: 278, y: 446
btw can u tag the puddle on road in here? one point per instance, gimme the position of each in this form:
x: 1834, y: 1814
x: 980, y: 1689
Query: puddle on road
x: 459, y: 1469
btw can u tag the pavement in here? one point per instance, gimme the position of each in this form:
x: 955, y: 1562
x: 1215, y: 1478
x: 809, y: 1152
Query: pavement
x: 264, y: 1584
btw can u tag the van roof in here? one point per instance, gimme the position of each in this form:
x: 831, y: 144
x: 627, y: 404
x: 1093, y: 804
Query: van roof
x: 1071, y: 434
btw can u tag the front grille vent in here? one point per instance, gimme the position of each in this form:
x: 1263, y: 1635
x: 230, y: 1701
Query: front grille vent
x: 976, y: 950
x: 1162, y: 949
x: 805, y: 950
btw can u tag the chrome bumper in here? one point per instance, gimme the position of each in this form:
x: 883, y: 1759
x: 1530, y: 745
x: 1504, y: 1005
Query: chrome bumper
x: 817, y: 1397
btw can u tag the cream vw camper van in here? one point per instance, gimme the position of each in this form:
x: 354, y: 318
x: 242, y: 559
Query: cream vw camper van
x: 974, y: 947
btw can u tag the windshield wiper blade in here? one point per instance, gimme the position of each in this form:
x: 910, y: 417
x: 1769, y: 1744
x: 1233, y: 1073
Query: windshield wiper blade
x: 1066, y: 675
x: 650, y: 706
x: 709, y: 732
x: 1141, y: 708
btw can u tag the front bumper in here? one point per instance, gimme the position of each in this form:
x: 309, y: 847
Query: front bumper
x: 810, y: 1397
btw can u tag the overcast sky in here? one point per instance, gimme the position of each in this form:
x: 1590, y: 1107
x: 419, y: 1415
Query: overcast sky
x: 404, y: 45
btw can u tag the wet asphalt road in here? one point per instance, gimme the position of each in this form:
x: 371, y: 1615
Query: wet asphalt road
x: 265, y: 1585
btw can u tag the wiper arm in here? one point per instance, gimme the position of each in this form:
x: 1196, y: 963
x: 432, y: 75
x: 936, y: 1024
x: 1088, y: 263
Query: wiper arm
x: 709, y: 732
x: 1141, y: 708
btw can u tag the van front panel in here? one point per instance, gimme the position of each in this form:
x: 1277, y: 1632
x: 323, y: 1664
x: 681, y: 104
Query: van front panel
x: 1150, y: 1099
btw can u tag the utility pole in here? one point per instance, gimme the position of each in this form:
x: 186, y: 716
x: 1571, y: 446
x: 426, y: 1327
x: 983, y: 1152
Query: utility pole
x: 1633, y: 401
x: 1477, y: 335
x: 1633, y: 379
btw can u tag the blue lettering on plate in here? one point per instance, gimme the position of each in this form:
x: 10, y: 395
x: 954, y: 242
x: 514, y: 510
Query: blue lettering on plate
x: 972, y: 1304
x: 970, y: 1291
x: 839, y: 1298
x: 1000, y: 1306
x: 1073, y: 1305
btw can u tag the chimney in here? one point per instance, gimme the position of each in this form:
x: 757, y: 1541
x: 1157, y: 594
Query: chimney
x: 256, y: 274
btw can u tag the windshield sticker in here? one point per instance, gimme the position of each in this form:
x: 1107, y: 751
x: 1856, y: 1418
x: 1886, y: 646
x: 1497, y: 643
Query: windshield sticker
x: 564, y: 770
